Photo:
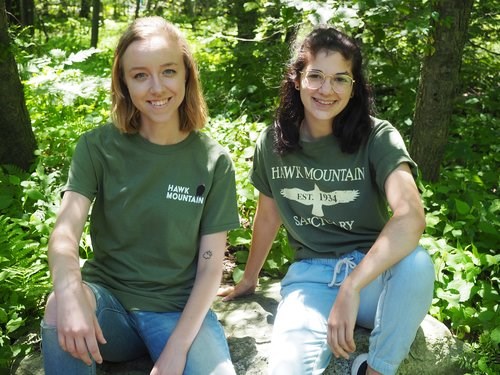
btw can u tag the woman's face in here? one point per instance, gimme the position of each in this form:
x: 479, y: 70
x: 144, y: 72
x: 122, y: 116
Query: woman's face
x: 323, y: 103
x: 155, y: 75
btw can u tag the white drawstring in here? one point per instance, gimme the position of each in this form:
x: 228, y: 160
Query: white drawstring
x: 348, y: 264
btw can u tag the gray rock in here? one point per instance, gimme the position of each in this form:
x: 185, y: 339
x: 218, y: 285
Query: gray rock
x: 248, y: 324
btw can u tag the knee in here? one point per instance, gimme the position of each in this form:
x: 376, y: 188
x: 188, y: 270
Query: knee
x: 417, y: 266
x: 50, y: 314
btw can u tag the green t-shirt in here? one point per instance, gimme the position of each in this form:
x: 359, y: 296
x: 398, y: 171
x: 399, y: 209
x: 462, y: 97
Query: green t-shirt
x: 151, y: 205
x: 330, y: 202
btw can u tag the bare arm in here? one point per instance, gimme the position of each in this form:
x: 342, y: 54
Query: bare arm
x: 399, y: 237
x: 208, y: 276
x: 74, y: 315
x: 265, y: 227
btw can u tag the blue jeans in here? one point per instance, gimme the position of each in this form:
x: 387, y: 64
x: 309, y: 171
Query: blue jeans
x: 133, y: 334
x: 393, y: 306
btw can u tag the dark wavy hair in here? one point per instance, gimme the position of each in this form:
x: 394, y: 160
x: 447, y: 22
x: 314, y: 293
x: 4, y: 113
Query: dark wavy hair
x: 353, y: 125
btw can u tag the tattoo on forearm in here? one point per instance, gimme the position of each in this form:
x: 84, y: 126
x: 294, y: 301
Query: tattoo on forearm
x: 207, y: 254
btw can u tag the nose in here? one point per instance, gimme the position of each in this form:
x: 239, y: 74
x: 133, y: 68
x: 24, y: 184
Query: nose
x: 156, y: 84
x: 328, y: 86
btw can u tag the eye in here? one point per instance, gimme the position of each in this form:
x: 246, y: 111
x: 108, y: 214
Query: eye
x: 169, y: 72
x: 343, y: 79
x: 314, y: 76
x: 140, y: 76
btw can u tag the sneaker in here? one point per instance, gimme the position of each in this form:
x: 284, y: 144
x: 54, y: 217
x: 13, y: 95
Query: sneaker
x: 360, y: 365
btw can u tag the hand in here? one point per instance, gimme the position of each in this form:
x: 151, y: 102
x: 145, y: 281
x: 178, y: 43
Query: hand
x: 77, y: 326
x: 172, y: 360
x: 243, y: 288
x: 341, y: 322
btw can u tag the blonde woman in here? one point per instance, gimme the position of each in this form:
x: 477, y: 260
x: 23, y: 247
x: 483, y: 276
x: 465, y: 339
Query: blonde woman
x: 162, y: 196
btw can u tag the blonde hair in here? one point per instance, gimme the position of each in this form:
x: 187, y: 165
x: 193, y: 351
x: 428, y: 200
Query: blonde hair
x: 193, y: 111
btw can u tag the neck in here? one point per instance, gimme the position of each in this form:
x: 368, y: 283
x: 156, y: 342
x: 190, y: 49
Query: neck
x: 310, y: 132
x: 163, y: 135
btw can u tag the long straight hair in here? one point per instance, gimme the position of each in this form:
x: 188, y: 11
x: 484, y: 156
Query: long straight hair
x: 353, y: 125
x: 193, y: 111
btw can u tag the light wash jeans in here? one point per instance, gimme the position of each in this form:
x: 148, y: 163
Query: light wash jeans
x: 393, y: 306
x: 131, y: 335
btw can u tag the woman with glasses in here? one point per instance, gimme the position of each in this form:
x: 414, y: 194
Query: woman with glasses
x: 328, y: 171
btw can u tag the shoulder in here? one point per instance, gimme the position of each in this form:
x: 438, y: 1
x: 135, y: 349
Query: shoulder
x: 213, y: 150
x: 207, y: 143
x: 384, y: 131
x: 101, y: 134
x: 266, y: 137
x: 268, y: 132
x: 380, y: 126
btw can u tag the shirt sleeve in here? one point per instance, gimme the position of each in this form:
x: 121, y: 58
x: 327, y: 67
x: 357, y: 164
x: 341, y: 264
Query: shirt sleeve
x: 387, y: 152
x: 258, y: 176
x: 82, y: 176
x: 221, y: 208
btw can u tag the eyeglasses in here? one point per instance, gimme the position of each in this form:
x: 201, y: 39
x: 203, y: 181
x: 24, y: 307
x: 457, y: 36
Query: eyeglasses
x: 314, y: 79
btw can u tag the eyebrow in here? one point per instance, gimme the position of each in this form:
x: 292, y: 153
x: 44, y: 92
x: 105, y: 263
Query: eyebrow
x: 162, y: 66
x: 336, y: 74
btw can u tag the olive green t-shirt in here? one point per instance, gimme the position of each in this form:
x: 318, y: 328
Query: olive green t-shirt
x: 330, y: 202
x: 151, y: 205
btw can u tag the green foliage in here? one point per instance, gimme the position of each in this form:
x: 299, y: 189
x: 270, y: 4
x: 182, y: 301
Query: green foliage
x: 24, y: 279
x: 67, y: 93
x: 239, y: 137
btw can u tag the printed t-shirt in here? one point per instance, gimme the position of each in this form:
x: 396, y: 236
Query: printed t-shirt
x: 330, y: 202
x: 152, y: 204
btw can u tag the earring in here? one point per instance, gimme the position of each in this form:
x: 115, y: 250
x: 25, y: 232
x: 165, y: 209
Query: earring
x: 296, y: 87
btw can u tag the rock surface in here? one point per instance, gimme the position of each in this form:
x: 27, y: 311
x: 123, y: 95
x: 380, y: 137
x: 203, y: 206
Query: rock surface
x: 248, y: 325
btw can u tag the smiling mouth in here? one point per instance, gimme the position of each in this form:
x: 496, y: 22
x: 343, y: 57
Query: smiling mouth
x: 158, y: 103
x: 324, y: 102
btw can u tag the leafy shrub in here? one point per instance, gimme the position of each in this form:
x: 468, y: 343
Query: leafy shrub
x: 66, y: 89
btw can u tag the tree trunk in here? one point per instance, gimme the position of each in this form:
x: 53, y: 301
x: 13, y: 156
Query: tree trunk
x: 438, y: 85
x: 137, y: 8
x: 21, y: 12
x: 188, y: 7
x: 84, y: 9
x: 27, y: 12
x: 96, y: 5
x: 17, y: 141
x: 246, y: 20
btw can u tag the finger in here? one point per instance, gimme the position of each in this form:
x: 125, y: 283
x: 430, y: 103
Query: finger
x: 225, y: 291
x: 332, y: 341
x: 93, y: 349
x: 351, y: 345
x: 342, y: 345
x: 92, y: 345
x: 98, y: 332
x: 69, y: 345
x: 335, y: 341
x: 229, y: 297
x: 62, y: 341
x: 82, y: 352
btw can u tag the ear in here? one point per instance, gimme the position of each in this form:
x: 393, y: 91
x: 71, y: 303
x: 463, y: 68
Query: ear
x: 297, y: 84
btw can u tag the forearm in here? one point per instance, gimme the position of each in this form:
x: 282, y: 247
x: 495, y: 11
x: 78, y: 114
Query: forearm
x: 264, y: 233
x: 399, y: 238
x: 400, y: 234
x: 205, y: 287
x: 266, y: 225
x: 64, y: 264
x: 63, y: 256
